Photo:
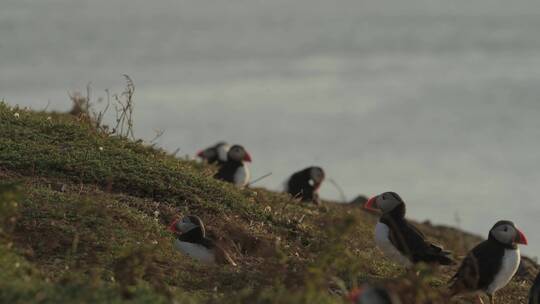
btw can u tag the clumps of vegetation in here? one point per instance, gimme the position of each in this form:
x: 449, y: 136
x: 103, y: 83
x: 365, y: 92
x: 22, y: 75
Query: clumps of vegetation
x: 83, y: 216
x: 84, y: 108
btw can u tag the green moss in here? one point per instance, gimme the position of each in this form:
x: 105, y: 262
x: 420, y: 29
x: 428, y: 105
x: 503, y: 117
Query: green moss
x: 83, y: 217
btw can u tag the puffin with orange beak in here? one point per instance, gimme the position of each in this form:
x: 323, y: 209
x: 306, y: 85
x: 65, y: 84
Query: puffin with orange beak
x: 191, y: 240
x: 235, y: 169
x: 216, y: 154
x: 490, y: 265
x: 398, y: 239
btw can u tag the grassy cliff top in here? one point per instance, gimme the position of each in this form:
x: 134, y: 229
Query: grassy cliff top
x: 83, y: 217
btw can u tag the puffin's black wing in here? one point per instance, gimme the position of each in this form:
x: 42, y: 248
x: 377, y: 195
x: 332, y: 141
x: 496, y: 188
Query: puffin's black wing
x: 534, y: 294
x: 227, y: 170
x: 411, y: 242
x: 298, y: 185
x: 479, y: 268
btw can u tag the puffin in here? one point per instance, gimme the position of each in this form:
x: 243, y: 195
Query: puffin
x: 191, y: 240
x: 216, y: 154
x: 534, y: 293
x: 235, y: 169
x: 305, y: 184
x: 367, y: 294
x: 360, y: 200
x: 398, y: 239
x: 490, y: 265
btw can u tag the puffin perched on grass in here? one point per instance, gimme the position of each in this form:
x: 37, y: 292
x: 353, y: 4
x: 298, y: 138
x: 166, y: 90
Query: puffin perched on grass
x: 216, y: 154
x: 305, y: 184
x: 398, y: 239
x: 490, y: 265
x: 191, y: 240
x: 235, y: 169
x: 368, y: 294
x: 534, y: 294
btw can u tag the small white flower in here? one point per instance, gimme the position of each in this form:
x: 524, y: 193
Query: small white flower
x: 156, y: 213
x: 100, y: 148
x: 16, y: 115
x: 49, y: 118
x: 154, y: 242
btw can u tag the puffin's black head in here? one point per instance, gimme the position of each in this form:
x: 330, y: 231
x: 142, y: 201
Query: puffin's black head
x: 372, y: 295
x: 216, y: 152
x: 316, y: 176
x: 387, y: 203
x: 239, y: 154
x: 507, y: 233
x: 188, y: 224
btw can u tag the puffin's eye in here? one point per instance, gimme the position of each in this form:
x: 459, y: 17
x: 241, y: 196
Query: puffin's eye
x: 505, y: 229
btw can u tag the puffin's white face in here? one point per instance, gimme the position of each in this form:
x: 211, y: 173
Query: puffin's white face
x: 185, y: 225
x: 385, y: 202
x: 222, y: 150
x: 317, y: 175
x: 507, y: 233
x: 239, y: 154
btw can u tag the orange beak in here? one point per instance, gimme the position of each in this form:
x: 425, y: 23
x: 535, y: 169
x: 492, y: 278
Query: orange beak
x: 200, y: 153
x: 370, y: 204
x: 521, y: 239
x: 172, y: 226
x: 247, y: 157
x: 354, y: 294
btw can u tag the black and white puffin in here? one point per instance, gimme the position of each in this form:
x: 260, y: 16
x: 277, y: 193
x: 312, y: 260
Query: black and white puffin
x: 360, y: 200
x: 216, y: 154
x: 367, y: 294
x: 398, y: 239
x: 191, y: 240
x: 305, y: 184
x: 235, y: 169
x: 490, y: 265
x: 534, y: 293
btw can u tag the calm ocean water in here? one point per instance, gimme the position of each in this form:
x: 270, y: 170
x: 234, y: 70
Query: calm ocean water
x: 437, y: 100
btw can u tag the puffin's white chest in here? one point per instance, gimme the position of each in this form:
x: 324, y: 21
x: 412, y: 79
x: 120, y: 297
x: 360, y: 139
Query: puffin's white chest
x: 382, y: 239
x: 509, y: 267
x: 242, y: 176
x: 196, y: 251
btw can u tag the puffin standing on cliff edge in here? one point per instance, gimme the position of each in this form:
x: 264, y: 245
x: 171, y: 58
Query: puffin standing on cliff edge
x: 235, y: 170
x: 191, y: 240
x: 398, y: 239
x: 490, y: 265
x: 305, y: 184
x: 216, y: 154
